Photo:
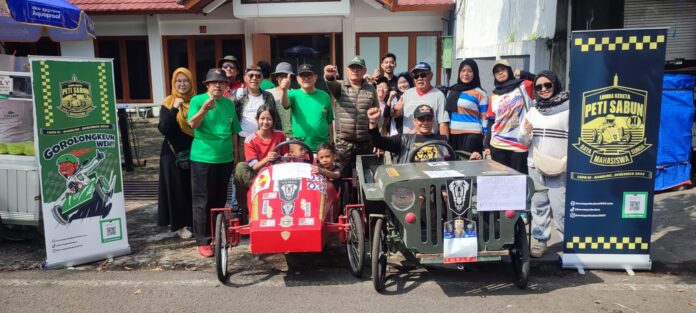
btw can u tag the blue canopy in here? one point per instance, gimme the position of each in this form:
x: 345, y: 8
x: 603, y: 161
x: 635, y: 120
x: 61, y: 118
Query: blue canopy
x: 24, y: 20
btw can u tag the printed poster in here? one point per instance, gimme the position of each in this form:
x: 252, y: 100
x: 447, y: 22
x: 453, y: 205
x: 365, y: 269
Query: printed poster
x: 77, y: 148
x: 615, y: 96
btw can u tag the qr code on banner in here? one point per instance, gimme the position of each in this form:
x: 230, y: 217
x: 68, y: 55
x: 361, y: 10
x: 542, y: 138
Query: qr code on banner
x: 111, y: 230
x: 635, y: 205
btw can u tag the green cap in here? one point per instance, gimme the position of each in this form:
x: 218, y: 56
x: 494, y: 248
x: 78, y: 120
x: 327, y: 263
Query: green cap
x: 67, y: 158
x: 357, y: 60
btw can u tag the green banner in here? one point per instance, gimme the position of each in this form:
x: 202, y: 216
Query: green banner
x: 79, y: 158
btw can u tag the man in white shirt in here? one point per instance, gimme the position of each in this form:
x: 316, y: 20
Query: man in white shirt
x: 423, y: 93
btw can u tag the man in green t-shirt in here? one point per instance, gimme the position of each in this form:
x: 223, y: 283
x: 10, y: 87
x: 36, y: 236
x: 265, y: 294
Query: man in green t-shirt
x: 312, y: 114
x: 215, y: 127
x: 266, y: 83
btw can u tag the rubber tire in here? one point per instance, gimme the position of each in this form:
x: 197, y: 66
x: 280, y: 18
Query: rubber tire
x: 519, y: 255
x: 221, y: 248
x: 356, y: 230
x: 379, y: 256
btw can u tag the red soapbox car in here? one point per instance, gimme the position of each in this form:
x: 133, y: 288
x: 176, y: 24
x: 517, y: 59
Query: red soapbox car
x: 290, y: 211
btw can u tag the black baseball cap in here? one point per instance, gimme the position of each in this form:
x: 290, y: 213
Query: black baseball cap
x: 423, y: 110
x: 305, y: 68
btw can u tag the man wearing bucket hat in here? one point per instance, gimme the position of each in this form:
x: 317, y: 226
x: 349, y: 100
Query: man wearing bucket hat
x: 402, y: 144
x: 282, y: 77
x: 215, y: 126
x: 354, y: 96
x: 230, y: 65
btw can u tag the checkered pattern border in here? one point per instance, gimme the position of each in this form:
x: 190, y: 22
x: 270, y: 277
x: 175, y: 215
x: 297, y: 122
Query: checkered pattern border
x: 595, y: 44
x: 613, y: 243
x: 103, y: 94
x: 46, y: 91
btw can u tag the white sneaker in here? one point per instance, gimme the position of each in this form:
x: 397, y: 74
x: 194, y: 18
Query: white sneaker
x: 184, y: 233
x: 538, y: 249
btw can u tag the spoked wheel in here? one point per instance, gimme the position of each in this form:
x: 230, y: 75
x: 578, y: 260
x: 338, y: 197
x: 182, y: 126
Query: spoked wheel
x: 519, y: 254
x: 356, y: 244
x: 221, y: 247
x: 380, y: 252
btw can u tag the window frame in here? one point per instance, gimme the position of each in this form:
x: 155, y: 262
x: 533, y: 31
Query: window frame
x: 124, y: 65
x: 412, y: 40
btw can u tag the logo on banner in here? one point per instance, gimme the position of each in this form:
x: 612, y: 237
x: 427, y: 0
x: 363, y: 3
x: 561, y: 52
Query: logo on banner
x: 613, y: 125
x: 75, y: 97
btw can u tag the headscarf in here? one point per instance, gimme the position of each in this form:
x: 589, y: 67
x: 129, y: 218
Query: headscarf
x: 168, y: 102
x: 558, y: 97
x: 510, y: 84
x: 409, y: 79
x: 460, y: 86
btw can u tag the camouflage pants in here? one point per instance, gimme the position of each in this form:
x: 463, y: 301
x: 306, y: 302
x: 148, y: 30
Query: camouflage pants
x: 346, y: 151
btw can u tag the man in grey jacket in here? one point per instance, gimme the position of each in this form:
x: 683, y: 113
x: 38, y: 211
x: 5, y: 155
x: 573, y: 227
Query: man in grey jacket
x: 354, y: 96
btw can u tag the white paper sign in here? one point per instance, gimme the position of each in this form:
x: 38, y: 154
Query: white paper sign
x: 292, y: 170
x: 6, y: 83
x: 443, y: 173
x: 500, y: 193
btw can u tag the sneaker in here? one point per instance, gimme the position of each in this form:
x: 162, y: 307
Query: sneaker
x: 206, y: 251
x: 538, y: 249
x: 184, y: 233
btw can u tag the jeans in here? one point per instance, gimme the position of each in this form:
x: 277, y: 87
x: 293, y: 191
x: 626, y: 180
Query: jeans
x: 209, y: 190
x: 547, y: 204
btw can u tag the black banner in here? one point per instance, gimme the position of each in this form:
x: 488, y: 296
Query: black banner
x: 615, y: 87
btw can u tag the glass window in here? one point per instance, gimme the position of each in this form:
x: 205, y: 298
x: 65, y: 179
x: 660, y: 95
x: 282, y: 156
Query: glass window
x: 426, y: 51
x: 369, y: 50
x: 138, y: 69
x: 399, y: 47
x: 300, y: 49
x: 108, y: 48
x: 177, y: 52
x: 205, y: 59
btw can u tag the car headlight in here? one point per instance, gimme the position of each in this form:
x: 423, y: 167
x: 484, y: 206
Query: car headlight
x: 402, y: 198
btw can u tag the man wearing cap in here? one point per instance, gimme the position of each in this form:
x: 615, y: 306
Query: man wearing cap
x: 312, y: 114
x: 282, y: 77
x: 354, y: 96
x: 423, y: 93
x: 230, y: 65
x: 247, y: 101
x: 215, y: 127
x: 402, y: 144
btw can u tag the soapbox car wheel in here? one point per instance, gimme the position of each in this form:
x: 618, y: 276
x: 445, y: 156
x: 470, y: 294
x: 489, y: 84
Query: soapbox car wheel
x: 356, y: 244
x: 58, y: 216
x: 380, y: 253
x: 411, y: 157
x: 310, y: 155
x: 519, y: 255
x: 221, y: 247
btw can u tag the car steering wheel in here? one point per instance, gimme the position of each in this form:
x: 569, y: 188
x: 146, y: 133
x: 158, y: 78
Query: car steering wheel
x: 276, y: 149
x: 412, y: 154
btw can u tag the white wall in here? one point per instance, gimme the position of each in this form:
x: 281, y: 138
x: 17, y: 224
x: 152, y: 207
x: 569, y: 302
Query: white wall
x: 83, y: 49
x: 494, y: 28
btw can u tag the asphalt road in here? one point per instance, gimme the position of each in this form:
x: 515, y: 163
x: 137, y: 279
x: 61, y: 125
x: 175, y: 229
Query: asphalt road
x: 483, y: 289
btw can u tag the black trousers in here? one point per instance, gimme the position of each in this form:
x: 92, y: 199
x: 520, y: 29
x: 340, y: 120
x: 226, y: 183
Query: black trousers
x: 209, y: 185
x: 515, y: 160
x: 467, y: 142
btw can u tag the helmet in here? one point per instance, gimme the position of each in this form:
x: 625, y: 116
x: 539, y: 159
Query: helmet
x: 610, y: 117
x: 67, y: 158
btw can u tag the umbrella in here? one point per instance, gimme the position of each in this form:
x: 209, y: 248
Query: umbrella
x: 25, y: 20
x: 301, y: 51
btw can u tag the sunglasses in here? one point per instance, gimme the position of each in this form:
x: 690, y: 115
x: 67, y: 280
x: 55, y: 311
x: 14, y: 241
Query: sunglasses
x: 420, y: 75
x: 228, y: 66
x: 255, y: 76
x: 546, y: 86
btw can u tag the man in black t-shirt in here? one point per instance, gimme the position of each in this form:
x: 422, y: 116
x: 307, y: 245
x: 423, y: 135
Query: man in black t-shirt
x: 402, y: 144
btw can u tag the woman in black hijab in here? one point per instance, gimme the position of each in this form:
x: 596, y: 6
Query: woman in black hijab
x: 467, y: 104
x: 404, y: 81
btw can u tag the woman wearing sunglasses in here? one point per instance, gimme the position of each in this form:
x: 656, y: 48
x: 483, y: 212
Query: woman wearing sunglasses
x: 509, y: 102
x: 545, y: 131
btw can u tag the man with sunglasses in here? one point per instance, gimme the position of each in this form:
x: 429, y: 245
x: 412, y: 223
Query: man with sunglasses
x: 230, y: 65
x: 423, y: 93
x: 312, y: 114
x: 354, y: 96
x: 402, y: 144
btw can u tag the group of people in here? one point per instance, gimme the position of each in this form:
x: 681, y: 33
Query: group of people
x: 522, y: 123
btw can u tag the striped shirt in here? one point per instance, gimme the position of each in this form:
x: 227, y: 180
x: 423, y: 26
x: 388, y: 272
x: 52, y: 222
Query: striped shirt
x: 471, y: 105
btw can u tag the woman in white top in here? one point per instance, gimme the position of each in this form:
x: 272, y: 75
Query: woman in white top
x: 545, y: 131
